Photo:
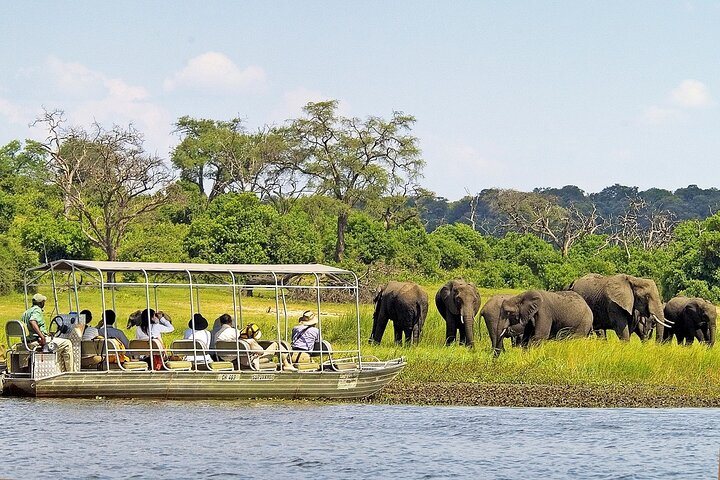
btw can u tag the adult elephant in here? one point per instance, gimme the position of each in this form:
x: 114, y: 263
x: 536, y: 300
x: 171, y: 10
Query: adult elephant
x: 497, y: 328
x: 539, y: 315
x: 458, y: 302
x: 406, y: 304
x: 623, y: 303
x: 695, y: 318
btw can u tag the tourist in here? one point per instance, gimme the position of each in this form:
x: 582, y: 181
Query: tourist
x: 197, y: 330
x: 304, y: 337
x: 152, y: 326
x: 90, y: 332
x: 107, y: 328
x: 38, y: 335
x: 226, y: 333
x: 251, y: 334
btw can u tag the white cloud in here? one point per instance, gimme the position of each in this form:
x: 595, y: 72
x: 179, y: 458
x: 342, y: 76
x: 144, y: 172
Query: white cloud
x: 87, y: 95
x: 13, y: 113
x: 691, y: 94
x: 655, y: 115
x: 214, y: 72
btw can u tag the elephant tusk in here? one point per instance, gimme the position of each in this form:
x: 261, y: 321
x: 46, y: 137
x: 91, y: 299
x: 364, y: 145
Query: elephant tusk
x: 462, y: 319
x: 502, y: 334
x: 661, y: 322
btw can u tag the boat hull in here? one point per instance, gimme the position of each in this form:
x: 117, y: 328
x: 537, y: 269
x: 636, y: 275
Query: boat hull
x: 188, y: 385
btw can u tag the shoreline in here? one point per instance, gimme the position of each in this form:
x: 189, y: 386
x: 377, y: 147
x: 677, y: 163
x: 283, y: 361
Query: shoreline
x: 554, y: 396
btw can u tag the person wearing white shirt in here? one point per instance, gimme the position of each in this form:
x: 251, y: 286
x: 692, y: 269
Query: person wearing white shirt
x: 90, y: 332
x: 152, y: 326
x: 197, y: 330
x: 227, y: 332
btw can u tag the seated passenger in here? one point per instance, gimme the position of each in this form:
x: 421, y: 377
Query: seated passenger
x: 197, y: 330
x: 304, y: 336
x: 152, y: 325
x: 226, y: 333
x: 90, y: 332
x: 251, y: 334
x: 107, y: 329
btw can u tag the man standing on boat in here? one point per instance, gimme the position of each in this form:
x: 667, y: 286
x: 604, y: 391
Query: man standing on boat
x: 35, y: 322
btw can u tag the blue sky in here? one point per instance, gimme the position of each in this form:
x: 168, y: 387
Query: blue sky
x: 517, y: 94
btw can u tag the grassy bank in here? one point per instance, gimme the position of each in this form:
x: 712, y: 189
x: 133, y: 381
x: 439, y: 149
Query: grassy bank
x: 439, y: 374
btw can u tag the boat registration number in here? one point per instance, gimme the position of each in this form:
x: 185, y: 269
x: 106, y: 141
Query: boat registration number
x: 228, y: 377
x: 347, y: 381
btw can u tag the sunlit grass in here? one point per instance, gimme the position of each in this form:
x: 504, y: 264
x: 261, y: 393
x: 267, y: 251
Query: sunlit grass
x: 588, y: 361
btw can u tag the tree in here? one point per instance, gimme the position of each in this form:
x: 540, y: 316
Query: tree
x: 106, y: 178
x: 353, y: 160
x: 541, y: 215
x: 237, y: 228
x: 224, y: 154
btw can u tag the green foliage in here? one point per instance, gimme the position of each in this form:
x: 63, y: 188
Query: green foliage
x: 413, y: 250
x: 154, y: 242
x: 366, y: 241
x: 237, y: 228
x: 460, y: 246
x: 14, y: 259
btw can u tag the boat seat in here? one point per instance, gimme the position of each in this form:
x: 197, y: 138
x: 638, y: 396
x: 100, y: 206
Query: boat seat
x: 307, y: 366
x: 240, y: 354
x: 19, y: 350
x: 142, y: 348
x: 14, y: 329
x: 92, y: 353
x: 196, y: 350
x: 119, y: 360
x: 324, y: 351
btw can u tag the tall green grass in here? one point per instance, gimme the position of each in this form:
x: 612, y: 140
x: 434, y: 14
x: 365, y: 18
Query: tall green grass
x: 588, y: 361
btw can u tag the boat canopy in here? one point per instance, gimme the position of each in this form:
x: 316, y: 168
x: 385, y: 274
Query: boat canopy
x: 104, y: 266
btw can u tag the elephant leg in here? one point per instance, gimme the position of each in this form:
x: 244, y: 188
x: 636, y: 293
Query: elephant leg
x: 463, y: 336
x: 408, y: 331
x: 415, y: 334
x: 398, y: 332
x: 450, y: 330
x: 621, y: 321
x: 379, y: 326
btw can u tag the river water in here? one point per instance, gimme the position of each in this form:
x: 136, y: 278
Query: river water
x: 304, y: 440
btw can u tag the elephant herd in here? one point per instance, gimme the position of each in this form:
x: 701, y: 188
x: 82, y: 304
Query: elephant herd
x: 592, y: 303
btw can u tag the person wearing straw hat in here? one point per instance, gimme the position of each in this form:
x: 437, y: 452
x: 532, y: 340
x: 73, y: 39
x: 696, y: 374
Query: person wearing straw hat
x: 304, y: 336
x: 251, y: 334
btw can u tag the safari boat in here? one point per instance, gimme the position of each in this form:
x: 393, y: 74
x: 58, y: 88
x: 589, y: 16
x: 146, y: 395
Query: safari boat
x: 104, y: 369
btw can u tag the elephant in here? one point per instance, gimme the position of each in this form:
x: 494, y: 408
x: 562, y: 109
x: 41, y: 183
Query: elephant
x: 458, y: 303
x: 623, y: 303
x: 695, y: 318
x: 497, y: 329
x: 539, y: 315
x: 406, y: 304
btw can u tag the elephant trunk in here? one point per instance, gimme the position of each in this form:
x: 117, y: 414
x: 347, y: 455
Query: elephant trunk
x: 656, y: 313
x: 467, y: 320
x: 711, y: 333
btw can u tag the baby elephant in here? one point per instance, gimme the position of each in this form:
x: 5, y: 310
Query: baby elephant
x: 406, y: 304
x: 539, y: 315
x: 694, y: 318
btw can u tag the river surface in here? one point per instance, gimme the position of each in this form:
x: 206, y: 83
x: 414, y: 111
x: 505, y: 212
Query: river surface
x: 304, y: 440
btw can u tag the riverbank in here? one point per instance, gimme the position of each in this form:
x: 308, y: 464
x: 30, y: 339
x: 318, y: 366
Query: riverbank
x: 533, y: 395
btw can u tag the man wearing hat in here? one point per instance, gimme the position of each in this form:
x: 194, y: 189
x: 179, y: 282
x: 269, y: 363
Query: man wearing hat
x: 304, y: 336
x: 35, y: 322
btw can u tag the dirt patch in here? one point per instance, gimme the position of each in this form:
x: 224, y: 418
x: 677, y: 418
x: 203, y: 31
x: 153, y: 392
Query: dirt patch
x: 520, y: 395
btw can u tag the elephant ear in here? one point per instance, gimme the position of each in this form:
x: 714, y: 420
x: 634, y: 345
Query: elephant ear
x: 530, y: 305
x: 621, y: 293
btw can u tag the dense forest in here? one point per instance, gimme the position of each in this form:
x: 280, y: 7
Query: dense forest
x: 331, y: 189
